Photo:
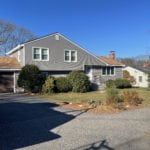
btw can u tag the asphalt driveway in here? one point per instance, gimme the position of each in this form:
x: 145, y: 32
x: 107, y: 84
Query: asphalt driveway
x: 32, y: 123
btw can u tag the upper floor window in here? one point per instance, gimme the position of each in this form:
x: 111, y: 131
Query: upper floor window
x: 40, y: 54
x: 70, y: 56
x: 108, y: 70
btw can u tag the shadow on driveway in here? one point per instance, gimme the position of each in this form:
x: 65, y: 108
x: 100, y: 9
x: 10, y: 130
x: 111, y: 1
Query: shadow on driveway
x: 24, y: 124
x: 99, y: 145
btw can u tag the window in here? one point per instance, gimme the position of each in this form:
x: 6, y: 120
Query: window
x: 140, y: 79
x: 104, y: 71
x: 112, y: 71
x: 67, y: 55
x: 108, y: 71
x: 44, y: 54
x: 41, y: 54
x: 36, y: 53
x: 73, y: 55
x: 70, y: 56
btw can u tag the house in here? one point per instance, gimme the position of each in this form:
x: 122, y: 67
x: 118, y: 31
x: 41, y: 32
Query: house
x: 140, y: 75
x: 56, y: 55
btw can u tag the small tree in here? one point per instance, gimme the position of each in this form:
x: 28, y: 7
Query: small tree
x: 112, y: 97
x: 49, y: 85
x: 30, y: 78
x: 127, y: 76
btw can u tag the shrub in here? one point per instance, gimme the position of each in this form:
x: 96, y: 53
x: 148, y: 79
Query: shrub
x: 49, y: 85
x: 118, y: 83
x: 29, y: 78
x: 79, y: 81
x: 110, y: 83
x: 63, y: 84
x: 127, y: 76
x: 131, y: 98
x: 122, y: 83
x: 112, y: 97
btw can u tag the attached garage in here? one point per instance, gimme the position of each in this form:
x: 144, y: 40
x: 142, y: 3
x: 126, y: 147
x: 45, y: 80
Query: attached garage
x: 9, y: 69
x: 6, y: 82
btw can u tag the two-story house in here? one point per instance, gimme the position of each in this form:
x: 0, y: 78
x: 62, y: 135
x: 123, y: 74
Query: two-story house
x: 56, y: 55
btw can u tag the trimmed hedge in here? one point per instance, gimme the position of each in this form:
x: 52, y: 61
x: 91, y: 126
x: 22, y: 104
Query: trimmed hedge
x: 122, y: 83
x: 63, y: 84
x: 118, y: 83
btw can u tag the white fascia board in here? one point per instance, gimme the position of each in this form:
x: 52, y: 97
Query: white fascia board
x: 15, y: 49
x: 9, y: 69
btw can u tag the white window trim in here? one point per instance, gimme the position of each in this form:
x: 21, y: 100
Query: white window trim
x: 110, y: 70
x: 70, y: 55
x: 40, y: 59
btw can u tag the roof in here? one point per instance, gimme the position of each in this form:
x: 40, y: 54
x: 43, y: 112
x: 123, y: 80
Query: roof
x: 56, y: 33
x: 22, y: 44
x: 143, y: 69
x: 9, y: 63
x: 110, y: 61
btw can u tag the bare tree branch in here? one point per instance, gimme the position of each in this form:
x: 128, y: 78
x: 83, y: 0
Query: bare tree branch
x: 11, y: 35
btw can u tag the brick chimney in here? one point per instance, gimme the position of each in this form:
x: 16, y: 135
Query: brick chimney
x: 112, y: 55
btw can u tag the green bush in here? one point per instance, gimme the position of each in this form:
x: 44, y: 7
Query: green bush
x: 122, y: 83
x: 30, y: 78
x: 112, y: 97
x: 79, y: 81
x: 110, y: 84
x: 49, y: 85
x: 63, y: 84
x: 118, y: 83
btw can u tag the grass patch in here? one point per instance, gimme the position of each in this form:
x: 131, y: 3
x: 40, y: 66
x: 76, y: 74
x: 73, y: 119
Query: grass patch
x: 78, y: 97
x: 96, y: 96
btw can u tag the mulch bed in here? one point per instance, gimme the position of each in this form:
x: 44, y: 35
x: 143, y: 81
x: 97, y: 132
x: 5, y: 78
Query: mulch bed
x: 98, y: 110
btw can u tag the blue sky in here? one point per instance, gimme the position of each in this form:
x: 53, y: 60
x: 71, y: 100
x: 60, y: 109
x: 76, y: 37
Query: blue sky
x: 97, y: 25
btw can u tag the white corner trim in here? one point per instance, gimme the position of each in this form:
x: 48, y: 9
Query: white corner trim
x: 24, y: 56
x: 19, y: 56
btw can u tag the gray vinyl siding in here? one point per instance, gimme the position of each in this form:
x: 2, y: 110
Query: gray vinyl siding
x: 56, y: 55
x: 100, y: 80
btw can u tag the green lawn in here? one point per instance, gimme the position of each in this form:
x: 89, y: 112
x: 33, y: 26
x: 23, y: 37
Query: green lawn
x: 96, y: 96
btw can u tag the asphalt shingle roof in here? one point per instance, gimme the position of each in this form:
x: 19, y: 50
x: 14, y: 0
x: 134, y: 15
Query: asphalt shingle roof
x: 9, y: 63
x: 110, y: 61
